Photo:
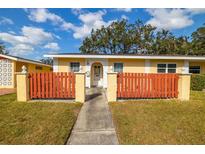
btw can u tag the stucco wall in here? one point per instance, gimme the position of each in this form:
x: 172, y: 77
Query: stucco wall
x: 31, y: 67
x: 129, y: 65
x: 64, y: 64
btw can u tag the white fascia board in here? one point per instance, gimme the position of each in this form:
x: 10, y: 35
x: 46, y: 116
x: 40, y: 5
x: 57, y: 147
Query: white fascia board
x: 127, y: 57
x: 8, y: 57
x: 24, y: 60
x: 32, y: 62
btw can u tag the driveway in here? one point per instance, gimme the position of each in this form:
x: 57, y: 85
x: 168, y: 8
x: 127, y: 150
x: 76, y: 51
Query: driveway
x: 94, y: 124
x: 5, y: 91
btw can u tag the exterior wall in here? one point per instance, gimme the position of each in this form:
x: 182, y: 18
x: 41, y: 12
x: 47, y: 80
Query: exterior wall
x: 13, y: 76
x: 17, y: 67
x: 31, y: 67
x: 179, y: 63
x: 64, y: 64
x: 201, y: 64
x: 129, y: 65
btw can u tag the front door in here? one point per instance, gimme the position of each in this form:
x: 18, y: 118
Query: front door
x: 97, y: 75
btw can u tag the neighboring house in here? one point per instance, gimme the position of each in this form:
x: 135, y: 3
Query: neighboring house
x: 11, y: 64
x: 97, y: 66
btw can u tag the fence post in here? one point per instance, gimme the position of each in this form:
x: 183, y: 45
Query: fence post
x: 184, y: 86
x: 22, y: 85
x: 112, y: 87
x: 80, y: 87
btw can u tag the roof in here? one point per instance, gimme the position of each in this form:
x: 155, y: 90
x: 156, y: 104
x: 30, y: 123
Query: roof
x: 124, y: 56
x: 15, y: 58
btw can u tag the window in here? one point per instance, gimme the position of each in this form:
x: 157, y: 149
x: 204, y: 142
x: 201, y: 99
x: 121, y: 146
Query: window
x: 194, y: 69
x: 166, y: 68
x: 118, y: 67
x: 161, y: 68
x: 75, y: 66
x: 39, y: 68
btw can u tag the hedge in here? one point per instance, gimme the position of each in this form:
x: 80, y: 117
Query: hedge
x: 197, y: 82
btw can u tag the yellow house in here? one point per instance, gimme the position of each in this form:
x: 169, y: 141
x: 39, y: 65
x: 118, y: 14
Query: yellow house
x: 96, y: 66
x: 11, y: 64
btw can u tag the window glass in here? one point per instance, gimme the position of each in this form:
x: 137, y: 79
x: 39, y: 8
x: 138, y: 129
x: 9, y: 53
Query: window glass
x: 161, y: 68
x: 75, y: 66
x: 171, y: 68
x: 118, y: 67
x: 166, y: 68
x: 194, y: 69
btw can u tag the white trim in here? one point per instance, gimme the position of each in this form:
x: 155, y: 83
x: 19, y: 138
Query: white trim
x: 185, y: 68
x: 24, y: 60
x: 166, y: 63
x: 147, y: 66
x: 89, y: 63
x: 55, y: 64
x: 126, y: 57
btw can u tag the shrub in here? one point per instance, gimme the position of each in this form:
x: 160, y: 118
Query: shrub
x: 198, y: 82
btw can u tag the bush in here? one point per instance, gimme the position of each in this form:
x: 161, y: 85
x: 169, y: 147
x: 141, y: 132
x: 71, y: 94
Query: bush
x: 198, y: 82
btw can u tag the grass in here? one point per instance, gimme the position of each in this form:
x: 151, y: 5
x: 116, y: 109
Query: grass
x: 160, y: 121
x: 35, y: 123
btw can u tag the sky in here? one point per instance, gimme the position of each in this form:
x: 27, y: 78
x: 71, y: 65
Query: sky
x: 31, y: 33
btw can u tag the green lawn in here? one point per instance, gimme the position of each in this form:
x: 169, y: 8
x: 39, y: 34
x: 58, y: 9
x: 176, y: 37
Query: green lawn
x: 35, y: 123
x: 161, y: 121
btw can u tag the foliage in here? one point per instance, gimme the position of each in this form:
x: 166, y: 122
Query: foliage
x: 121, y: 37
x: 2, y: 49
x: 48, y: 61
x: 197, y: 82
x: 198, y: 43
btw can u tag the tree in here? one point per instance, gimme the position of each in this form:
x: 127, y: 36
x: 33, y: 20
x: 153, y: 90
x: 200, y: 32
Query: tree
x: 198, y: 41
x: 47, y: 61
x: 3, y: 49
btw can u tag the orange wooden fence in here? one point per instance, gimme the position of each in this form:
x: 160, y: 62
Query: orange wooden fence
x: 52, y: 85
x: 144, y: 85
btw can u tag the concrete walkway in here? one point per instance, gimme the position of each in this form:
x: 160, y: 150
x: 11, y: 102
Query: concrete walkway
x: 94, y: 124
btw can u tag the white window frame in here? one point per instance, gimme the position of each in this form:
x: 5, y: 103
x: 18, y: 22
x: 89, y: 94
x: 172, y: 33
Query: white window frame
x: 118, y: 63
x: 71, y: 67
x: 166, y: 68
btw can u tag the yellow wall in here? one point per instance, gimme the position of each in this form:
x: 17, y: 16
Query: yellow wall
x: 64, y: 64
x: 201, y: 64
x: 179, y: 63
x: 31, y: 67
x: 129, y: 65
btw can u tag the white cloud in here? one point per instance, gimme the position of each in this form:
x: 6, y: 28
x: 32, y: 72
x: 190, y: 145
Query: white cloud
x: 26, y: 42
x: 21, y: 49
x: 89, y: 20
x: 195, y: 11
x: 169, y: 18
x: 77, y: 11
x: 124, y: 9
x: 43, y: 15
x: 6, y: 21
x: 124, y: 17
x: 52, y: 46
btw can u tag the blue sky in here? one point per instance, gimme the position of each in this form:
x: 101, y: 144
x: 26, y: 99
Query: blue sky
x: 31, y: 33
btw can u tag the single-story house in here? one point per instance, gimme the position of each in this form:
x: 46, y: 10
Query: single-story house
x: 11, y: 64
x: 96, y: 66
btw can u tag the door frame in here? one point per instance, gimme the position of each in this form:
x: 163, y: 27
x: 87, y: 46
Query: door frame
x: 93, y: 73
x: 88, y: 64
